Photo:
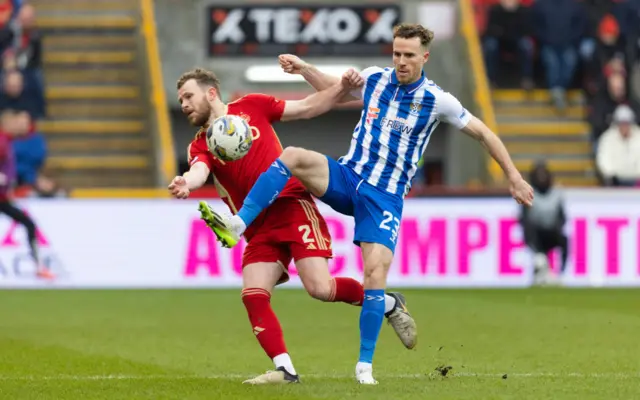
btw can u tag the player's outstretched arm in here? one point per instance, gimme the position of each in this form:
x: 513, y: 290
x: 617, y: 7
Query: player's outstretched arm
x: 520, y: 189
x: 295, y: 65
x: 317, y: 79
x: 321, y: 102
x: 181, y: 186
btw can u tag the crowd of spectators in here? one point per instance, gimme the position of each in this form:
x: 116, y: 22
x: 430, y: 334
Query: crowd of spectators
x: 22, y: 97
x: 593, y: 45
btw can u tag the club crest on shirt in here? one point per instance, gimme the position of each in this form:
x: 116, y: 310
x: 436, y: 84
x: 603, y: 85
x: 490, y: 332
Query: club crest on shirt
x: 245, y: 117
x: 415, y: 108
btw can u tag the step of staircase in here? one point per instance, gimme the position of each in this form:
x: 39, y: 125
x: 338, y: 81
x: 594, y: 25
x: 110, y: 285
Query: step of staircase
x: 540, y: 112
x: 96, y: 23
x: 78, y: 109
x: 63, y: 146
x: 74, y: 6
x: 91, y: 127
x: 543, y: 128
x: 92, y: 92
x: 549, y: 148
x: 535, y: 96
x: 92, y: 42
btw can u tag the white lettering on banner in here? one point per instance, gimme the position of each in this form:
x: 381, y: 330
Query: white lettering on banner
x: 383, y: 28
x: 302, y: 25
x: 262, y: 19
x: 341, y: 25
x: 441, y: 243
x: 230, y: 29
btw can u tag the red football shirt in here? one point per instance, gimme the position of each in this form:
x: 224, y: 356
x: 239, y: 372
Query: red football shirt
x: 234, y: 179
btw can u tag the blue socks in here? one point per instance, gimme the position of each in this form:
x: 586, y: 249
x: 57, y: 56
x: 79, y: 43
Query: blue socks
x: 265, y: 191
x: 371, y: 317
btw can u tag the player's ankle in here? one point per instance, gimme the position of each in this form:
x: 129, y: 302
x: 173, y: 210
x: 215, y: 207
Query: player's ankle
x: 284, y: 360
x: 238, y: 225
x: 364, y: 366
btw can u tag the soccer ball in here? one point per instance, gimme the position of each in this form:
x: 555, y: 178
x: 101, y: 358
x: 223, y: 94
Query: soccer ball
x: 229, y: 137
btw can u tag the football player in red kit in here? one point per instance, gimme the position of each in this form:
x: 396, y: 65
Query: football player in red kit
x: 291, y: 228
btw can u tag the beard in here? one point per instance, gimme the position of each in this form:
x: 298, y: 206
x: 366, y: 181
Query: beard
x: 201, y: 115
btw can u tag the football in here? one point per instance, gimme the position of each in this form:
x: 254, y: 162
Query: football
x: 229, y: 138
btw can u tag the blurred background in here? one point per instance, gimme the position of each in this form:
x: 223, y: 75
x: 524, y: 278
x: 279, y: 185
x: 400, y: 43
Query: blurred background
x: 88, y: 104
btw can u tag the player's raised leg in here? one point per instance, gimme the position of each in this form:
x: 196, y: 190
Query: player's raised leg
x: 310, y: 167
x: 258, y: 281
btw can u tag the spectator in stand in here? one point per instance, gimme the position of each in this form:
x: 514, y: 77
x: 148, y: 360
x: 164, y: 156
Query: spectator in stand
x: 618, y: 152
x: 25, y: 54
x: 30, y: 150
x: 8, y: 10
x: 609, y: 45
x: 559, y: 26
x: 609, y: 97
x: 544, y: 221
x: 509, y: 28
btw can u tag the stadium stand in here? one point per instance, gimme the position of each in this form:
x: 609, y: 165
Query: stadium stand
x: 536, y: 124
x: 97, y: 126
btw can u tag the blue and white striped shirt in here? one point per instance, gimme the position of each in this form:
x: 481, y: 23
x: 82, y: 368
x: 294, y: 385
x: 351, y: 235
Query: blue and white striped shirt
x: 395, y: 126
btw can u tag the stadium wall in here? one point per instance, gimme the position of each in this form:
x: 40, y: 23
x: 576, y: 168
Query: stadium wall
x: 443, y: 242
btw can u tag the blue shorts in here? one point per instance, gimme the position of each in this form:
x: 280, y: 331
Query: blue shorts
x: 377, y: 213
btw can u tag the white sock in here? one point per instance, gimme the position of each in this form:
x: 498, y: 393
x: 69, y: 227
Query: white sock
x: 283, y: 360
x: 389, y: 303
x: 237, y: 224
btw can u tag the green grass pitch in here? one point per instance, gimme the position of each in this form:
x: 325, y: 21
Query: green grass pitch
x: 197, y: 344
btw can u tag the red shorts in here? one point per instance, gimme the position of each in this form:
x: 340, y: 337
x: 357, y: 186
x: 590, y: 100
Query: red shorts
x: 292, y: 228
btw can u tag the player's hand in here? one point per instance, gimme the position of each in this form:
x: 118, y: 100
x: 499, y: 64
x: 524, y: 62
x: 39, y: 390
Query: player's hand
x: 291, y: 64
x: 352, y: 79
x: 521, y: 191
x: 178, y: 188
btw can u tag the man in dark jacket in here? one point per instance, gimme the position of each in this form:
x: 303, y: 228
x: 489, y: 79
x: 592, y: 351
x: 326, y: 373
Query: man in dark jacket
x: 559, y: 25
x: 509, y: 28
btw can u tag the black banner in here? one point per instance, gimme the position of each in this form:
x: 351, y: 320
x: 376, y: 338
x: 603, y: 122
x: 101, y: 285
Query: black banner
x: 259, y: 30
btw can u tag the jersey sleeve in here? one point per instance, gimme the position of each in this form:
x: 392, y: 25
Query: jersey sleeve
x: 271, y: 106
x: 198, y: 152
x: 451, y: 111
x: 365, y: 74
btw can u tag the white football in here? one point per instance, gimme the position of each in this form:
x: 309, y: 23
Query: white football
x: 229, y: 137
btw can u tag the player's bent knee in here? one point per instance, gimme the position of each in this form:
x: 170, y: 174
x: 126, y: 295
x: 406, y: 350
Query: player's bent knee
x: 299, y: 160
x: 319, y: 291
x: 293, y: 157
x: 375, y: 275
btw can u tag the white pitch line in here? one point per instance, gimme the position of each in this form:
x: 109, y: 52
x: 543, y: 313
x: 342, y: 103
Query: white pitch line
x: 119, y: 377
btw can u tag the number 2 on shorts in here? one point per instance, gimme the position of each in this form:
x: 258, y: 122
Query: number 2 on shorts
x: 306, y: 231
x: 387, y: 218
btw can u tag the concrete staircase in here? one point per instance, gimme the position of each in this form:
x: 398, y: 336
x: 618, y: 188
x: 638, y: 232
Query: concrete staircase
x: 532, y: 129
x: 96, y: 125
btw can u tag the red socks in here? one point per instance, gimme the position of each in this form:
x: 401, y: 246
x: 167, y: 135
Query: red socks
x: 346, y: 290
x: 265, y: 324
